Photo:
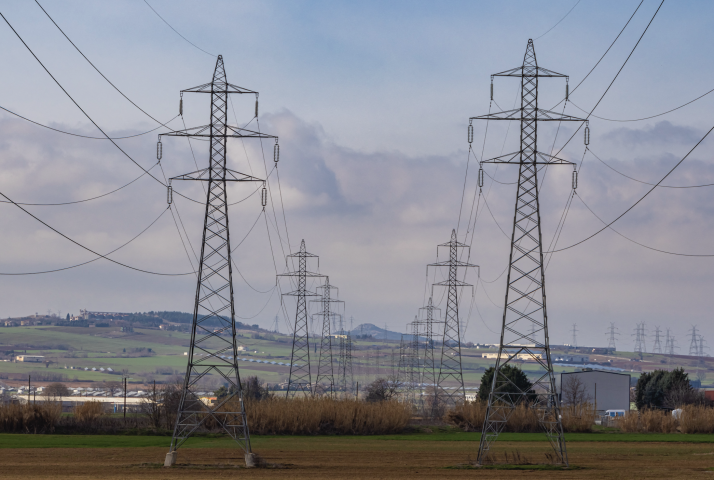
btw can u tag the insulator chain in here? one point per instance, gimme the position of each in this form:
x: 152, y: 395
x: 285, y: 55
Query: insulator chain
x: 181, y: 105
x: 567, y: 89
x: 471, y: 133
x: 480, y: 176
x: 159, y: 150
x: 264, y: 196
x: 170, y: 193
x: 276, y: 152
x: 587, y: 134
x: 491, y: 88
x: 256, y: 106
x: 575, y: 179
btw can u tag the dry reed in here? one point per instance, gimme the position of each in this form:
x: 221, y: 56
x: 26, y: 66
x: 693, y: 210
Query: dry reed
x: 88, y: 412
x: 311, y: 416
x: 523, y: 419
x: 697, y: 419
x: 647, y: 421
x: 29, y: 418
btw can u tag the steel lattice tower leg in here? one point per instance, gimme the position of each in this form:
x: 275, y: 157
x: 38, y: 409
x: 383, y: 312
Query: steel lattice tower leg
x: 524, y: 330
x: 450, y: 365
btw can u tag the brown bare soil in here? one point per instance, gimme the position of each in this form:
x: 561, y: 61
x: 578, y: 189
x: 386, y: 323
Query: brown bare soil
x: 366, y: 458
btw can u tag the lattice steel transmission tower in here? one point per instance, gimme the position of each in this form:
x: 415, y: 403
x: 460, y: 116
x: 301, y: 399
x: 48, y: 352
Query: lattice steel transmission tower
x: 611, y: 334
x: 300, y: 374
x: 693, y: 345
x: 574, y: 331
x: 450, y: 365
x: 640, y: 336
x: 325, y: 364
x: 345, y: 375
x: 669, y: 344
x: 657, y: 348
x: 525, y: 303
x: 213, y: 329
x: 429, y: 366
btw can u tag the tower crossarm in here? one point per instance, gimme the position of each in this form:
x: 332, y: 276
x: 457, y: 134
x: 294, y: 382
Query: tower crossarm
x: 218, y: 86
x: 530, y: 71
x: 230, y: 131
x: 539, y: 114
x: 204, y: 175
x: 540, y: 159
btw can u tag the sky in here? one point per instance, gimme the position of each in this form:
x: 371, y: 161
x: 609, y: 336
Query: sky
x: 371, y: 101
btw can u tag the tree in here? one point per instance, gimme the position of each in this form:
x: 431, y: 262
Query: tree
x: 382, y: 389
x: 251, y: 386
x: 515, y: 376
x: 56, y: 390
x: 654, y: 387
x: 68, y: 317
x: 574, y: 392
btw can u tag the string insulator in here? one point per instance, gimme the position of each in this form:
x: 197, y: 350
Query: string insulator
x: 264, y: 196
x: 567, y: 91
x: 256, y: 106
x: 575, y: 179
x: 170, y: 194
x: 587, y: 134
x: 471, y: 133
x: 159, y: 150
x: 276, y: 152
x: 492, y: 89
x: 480, y: 177
x: 181, y: 107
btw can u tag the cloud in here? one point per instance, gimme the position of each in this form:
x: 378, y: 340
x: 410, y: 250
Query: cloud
x: 661, y: 133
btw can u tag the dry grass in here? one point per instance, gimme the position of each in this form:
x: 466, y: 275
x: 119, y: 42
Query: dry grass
x: 697, y: 419
x: 29, y: 418
x: 650, y: 421
x: 470, y: 417
x: 88, y: 412
x: 310, y: 416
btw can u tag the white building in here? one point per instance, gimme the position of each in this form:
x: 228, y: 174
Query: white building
x: 31, y: 358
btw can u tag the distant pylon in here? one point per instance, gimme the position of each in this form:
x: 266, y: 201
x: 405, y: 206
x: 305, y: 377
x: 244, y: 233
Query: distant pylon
x: 525, y: 302
x: 611, y: 334
x: 300, y: 379
x: 575, y: 335
x: 701, y: 346
x: 640, y: 335
x: 693, y: 345
x: 213, y: 349
x: 429, y: 367
x: 345, y: 374
x: 325, y: 364
x: 276, y: 325
x: 669, y: 344
x: 450, y: 365
x: 657, y: 348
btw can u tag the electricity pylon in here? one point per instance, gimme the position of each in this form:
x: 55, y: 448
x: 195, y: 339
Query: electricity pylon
x: 525, y: 303
x: 325, y: 364
x: 575, y: 335
x: 345, y: 375
x: 669, y: 343
x: 657, y: 348
x: 429, y: 368
x: 693, y: 346
x: 300, y: 379
x: 213, y: 329
x: 640, y: 335
x: 611, y: 334
x: 450, y: 365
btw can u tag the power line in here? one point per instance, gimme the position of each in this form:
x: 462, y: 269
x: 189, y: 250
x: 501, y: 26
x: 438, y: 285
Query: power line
x: 94, y: 259
x: 176, y: 31
x: 551, y: 28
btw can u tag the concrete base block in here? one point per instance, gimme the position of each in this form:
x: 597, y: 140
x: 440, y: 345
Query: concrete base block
x: 170, y: 459
x: 251, y: 460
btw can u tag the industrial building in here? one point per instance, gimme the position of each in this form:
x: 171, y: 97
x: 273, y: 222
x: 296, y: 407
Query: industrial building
x: 605, y: 390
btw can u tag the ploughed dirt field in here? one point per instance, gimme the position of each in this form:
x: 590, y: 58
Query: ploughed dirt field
x: 358, y: 457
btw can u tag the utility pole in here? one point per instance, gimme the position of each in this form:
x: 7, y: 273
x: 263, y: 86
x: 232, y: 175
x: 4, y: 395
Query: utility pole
x: 214, y: 310
x: 300, y: 379
x: 693, y: 345
x: 525, y: 302
x: 657, y: 348
x: 325, y: 364
x: 611, y: 334
x: 450, y: 365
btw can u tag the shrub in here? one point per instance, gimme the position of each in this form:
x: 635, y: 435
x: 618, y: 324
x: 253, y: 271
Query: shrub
x: 659, y: 388
x: 29, y: 418
x: 88, y: 412
x: 515, y: 377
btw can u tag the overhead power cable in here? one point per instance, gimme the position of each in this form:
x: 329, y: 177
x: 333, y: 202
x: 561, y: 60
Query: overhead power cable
x: 98, y: 255
x: 651, y: 116
x: 640, y: 199
x: 635, y: 241
x: 643, y: 182
x: 87, y: 136
x: 551, y: 28
x: 176, y: 31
